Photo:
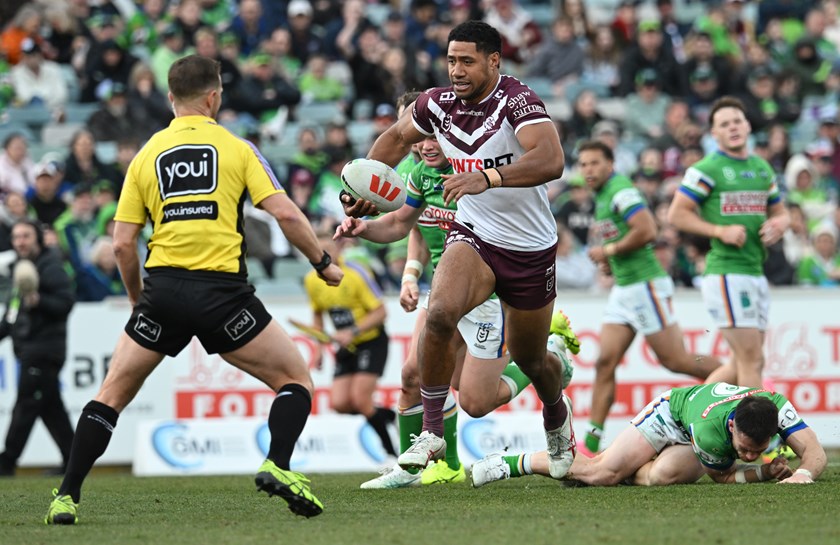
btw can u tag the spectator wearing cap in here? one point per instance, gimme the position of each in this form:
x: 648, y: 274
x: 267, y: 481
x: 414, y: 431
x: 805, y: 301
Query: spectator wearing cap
x: 822, y: 266
x: 521, y: 35
x: 559, y: 58
x: 25, y: 24
x: 703, y: 91
x: 700, y: 51
x: 306, y: 39
x: 36, y: 80
x: 577, y: 211
x: 250, y: 27
x: 109, y: 63
x: 262, y: 91
x: 649, y: 52
x: 113, y: 118
x: 83, y: 166
x: 172, y: 48
x: 76, y: 228
x: 45, y: 200
x: 646, y: 108
x: 384, y: 116
x: 17, y: 170
x: 760, y: 99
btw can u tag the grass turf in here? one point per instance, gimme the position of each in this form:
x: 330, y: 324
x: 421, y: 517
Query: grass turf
x: 531, y: 510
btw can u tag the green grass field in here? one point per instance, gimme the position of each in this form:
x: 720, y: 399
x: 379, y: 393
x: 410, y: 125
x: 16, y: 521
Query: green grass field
x: 532, y: 510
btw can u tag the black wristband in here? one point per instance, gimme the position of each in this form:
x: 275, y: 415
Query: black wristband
x: 325, y: 262
x: 352, y: 198
x: 486, y: 178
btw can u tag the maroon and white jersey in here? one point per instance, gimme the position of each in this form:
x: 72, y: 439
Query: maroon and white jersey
x: 479, y: 136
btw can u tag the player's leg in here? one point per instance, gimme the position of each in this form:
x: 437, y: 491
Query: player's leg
x: 615, y: 339
x: 362, y: 388
x: 129, y: 367
x: 271, y: 356
x: 727, y: 373
x: 669, y: 348
x: 462, y: 280
x: 748, y: 353
x: 481, y: 390
x: 675, y: 464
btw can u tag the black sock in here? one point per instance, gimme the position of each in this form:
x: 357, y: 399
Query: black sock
x: 286, y: 420
x: 379, y: 422
x: 96, y: 424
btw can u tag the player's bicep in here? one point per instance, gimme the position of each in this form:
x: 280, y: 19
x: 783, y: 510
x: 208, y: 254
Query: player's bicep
x: 542, y: 137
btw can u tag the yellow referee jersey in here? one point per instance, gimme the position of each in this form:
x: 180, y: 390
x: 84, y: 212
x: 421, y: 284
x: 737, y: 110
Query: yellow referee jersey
x: 190, y: 180
x: 349, y: 302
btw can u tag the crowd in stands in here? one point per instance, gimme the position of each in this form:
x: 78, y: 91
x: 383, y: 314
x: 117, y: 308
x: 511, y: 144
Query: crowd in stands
x: 312, y: 83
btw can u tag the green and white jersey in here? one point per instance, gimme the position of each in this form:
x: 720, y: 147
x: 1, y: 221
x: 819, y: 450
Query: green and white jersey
x: 405, y: 167
x: 425, y: 189
x: 615, y: 203
x: 732, y: 191
x: 704, y: 412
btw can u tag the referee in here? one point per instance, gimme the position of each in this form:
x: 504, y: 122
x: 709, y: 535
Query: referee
x: 190, y: 180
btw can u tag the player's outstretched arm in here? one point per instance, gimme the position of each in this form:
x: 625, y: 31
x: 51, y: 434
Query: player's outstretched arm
x: 805, y: 444
x: 391, y: 227
x: 298, y: 231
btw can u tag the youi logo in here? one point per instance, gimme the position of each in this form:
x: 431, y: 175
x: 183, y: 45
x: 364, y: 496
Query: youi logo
x: 174, y: 445
x: 187, y: 170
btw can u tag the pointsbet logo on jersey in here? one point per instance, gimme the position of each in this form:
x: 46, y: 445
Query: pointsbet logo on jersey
x: 187, y: 170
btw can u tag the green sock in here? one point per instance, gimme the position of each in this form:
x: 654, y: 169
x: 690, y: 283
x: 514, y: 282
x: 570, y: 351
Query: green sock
x: 450, y: 435
x: 519, y: 465
x: 593, y: 437
x: 410, y: 422
x: 515, y: 379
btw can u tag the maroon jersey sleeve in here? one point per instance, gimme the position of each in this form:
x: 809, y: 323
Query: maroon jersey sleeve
x: 523, y: 106
x: 420, y: 114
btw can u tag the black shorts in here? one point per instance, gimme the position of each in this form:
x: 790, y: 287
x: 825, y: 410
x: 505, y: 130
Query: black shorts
x: 369, y: 357
x: 222, y: 311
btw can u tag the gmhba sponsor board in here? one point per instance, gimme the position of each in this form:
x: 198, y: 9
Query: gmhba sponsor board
x: 803, y: 359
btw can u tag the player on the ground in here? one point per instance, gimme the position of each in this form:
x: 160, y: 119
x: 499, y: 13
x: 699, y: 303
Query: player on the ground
x: 504, y: 148
x: 641, y: 299
x: 190, y: 179
x: 484, y: 378
x: 682, y: 435
x: 731, y: 197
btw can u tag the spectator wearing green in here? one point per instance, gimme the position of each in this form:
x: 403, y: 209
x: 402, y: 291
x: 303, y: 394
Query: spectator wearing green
x: 316, y: 85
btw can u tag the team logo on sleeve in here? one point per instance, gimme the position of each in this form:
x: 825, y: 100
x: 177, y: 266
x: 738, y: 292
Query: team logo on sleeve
x: 187, y: 170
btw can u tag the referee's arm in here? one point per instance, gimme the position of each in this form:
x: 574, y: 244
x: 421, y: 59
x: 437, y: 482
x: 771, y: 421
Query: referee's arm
x: 128, y: 260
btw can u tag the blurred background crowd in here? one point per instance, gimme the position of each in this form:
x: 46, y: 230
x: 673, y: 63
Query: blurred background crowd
x: 312, y: 83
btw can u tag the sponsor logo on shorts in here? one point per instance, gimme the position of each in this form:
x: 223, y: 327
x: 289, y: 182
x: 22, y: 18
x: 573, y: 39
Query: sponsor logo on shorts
x: 460, y: 237
x: 187, y: 170
x: 195, y: 210
x: 147, y: 328
x: 241, y: 324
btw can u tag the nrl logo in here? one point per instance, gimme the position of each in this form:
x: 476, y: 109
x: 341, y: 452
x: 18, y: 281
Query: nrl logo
x: 729, y: 173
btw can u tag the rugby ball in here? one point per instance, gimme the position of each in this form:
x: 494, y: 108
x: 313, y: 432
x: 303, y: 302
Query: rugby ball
x: 25, y: 277
x: 374, y: 181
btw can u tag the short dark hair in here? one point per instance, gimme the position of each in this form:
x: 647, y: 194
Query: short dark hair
x: 596, y: 145
x: 192, y: 76
x: 757, y: 417
x: 486, y: 38
x: 36, y: 225
x: 407, y: 98
x: 725, y: 102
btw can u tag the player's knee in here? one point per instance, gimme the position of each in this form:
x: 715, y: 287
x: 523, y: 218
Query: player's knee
x: 342, y: 406
x: 606, y: 364
x: 475, y: 406
x: 410, y: 374
x: 441, y: 322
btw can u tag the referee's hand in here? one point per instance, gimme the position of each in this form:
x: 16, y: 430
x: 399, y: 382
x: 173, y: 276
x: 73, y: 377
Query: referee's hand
x: 332, y: 275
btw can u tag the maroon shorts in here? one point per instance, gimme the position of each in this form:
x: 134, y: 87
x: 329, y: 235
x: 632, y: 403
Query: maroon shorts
x: 524, y: 280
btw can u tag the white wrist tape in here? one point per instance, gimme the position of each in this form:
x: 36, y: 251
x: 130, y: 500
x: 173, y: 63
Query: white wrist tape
x: 740, y: 475
x: 803, y: 471
x: 414, y: 264
x: 408, y: 277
